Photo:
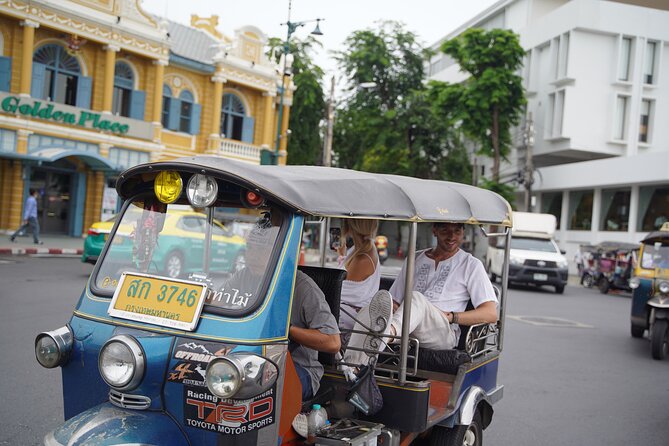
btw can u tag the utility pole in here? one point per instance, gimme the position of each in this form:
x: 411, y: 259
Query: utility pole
x: 528, y: 139
x: 327, y: 144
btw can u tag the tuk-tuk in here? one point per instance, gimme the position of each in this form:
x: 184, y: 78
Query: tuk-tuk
x: 157, y: 360
x: 615, y: 261
x: 650, y: 299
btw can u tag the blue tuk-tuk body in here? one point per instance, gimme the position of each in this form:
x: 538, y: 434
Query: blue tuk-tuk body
x: 650, y: 298
x: 167, y: 397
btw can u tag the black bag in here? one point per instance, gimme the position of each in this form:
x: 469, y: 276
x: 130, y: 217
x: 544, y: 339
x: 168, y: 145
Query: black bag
x: 365, y: 394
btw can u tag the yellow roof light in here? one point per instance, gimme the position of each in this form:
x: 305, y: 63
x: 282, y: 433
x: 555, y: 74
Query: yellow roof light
x: 168, y: 186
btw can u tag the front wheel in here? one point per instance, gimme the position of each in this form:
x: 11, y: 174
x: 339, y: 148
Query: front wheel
x: 459, y: 435
x: 604, y: 285
x: 637, y: 332
x: 659, y: 339
x: 587, y: 280
x: 559, y: 289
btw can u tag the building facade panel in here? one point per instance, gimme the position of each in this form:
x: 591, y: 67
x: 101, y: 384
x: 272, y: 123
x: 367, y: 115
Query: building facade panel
x: 82, y: 98
x: 597, y: 82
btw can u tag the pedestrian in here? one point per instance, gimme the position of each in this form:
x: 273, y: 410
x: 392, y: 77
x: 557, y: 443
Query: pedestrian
x: 30, y: 218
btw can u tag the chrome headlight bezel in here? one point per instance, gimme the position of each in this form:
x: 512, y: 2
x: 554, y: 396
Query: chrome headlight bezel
x: 202, y: 190
x: 138, y: 362
x: 61, y: 340
x: 634, y: 283
x: 663, y: 287
x: 254, y: 374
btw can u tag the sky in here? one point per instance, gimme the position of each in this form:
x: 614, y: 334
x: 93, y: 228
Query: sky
x: 430, y: 20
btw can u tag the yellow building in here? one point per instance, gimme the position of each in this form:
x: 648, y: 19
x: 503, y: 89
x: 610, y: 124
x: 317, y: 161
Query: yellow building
x: 89, y: 88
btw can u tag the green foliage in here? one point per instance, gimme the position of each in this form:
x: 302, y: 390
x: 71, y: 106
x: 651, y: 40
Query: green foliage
x: 305, y: 143
x: 505, y: 190
x: 394, y: 127
x: 491, y: 100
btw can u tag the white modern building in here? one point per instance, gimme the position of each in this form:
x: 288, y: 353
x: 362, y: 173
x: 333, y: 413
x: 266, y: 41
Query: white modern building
x: 597, y: 80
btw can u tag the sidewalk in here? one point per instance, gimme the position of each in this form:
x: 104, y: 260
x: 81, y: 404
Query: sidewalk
x: 53, y: 244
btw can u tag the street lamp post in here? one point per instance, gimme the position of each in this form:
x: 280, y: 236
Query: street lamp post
x: 286, y: 71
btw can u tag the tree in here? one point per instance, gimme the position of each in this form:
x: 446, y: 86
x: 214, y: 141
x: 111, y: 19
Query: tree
x: 369, y: 119
x: 308, y: 103
x: 491, y: 100
x: 393, y: 127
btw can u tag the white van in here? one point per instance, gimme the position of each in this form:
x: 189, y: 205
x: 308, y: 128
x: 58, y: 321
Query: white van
x: 535, y: 258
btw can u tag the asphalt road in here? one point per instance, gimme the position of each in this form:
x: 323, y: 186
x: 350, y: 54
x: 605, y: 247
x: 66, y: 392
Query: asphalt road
x: 576, y: 380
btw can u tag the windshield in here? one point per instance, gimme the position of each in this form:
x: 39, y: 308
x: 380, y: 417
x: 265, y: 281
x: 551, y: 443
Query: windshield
x: 171, y: 241
x: 655, y: 256
x: 533, y: 244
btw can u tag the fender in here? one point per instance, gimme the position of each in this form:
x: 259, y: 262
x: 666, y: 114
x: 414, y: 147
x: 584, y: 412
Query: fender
x: 107, y: 424
x: 470, y: 401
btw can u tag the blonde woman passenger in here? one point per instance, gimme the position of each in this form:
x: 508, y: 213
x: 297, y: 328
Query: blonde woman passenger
x: 361, y: 261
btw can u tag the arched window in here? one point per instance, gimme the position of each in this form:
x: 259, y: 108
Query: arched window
x: 186, y: 111
x: 123, y: 83
x: 57, y: 76
x: 126, y: 101
x: 167, y: 97
x: 234, y: 122
x: 180, y: 114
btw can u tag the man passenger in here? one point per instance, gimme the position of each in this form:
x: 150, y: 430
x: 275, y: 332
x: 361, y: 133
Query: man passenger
x: 445, y: 279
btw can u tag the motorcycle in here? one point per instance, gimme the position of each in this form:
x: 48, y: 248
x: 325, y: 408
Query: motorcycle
x: 381, y: 242
x: 650, y: 299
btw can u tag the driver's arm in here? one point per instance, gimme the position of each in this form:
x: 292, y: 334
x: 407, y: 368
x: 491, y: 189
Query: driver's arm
x: 312, y: 338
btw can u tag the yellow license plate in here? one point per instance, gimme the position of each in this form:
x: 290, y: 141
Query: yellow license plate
x: 157, y: 300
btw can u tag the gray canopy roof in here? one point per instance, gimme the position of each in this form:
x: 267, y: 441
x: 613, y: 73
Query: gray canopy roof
x: 333, y: 192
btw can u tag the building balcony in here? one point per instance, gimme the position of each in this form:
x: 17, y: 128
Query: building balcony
x: 231, y: 148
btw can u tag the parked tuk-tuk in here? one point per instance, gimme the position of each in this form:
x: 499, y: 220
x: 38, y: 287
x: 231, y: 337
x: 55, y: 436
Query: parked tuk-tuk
x: 195, y: 360
x: 650, y: 300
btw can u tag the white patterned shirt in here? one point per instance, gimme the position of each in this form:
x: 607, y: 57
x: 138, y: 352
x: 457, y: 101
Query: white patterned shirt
x: 450, y: 286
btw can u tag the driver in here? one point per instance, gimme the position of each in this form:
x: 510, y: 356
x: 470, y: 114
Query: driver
x: 313, y: 328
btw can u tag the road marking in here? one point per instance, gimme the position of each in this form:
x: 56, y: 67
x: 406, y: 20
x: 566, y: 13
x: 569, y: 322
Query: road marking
x: 546, y: 321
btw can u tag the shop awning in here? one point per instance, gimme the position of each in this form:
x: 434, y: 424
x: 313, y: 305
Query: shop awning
x: 49, y: 155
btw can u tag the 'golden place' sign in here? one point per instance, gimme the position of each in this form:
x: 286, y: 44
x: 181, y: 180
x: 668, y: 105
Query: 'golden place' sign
x: 66, y: 114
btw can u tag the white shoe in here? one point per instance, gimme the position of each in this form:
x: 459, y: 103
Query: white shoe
x: 375, y: 317
x: 380, y: 311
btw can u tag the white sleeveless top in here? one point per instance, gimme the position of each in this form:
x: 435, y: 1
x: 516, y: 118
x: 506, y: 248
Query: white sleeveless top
x: 355, y: 295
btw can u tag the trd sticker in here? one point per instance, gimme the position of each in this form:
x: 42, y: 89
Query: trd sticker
x: 203, y: 410
x: 193, y: 358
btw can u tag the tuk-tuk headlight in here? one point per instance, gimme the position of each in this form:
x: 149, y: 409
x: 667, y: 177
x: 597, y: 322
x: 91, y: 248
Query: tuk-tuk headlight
x: 122, y: 362
x: 224, y: 376
x: 240, y: 375
x: 52, y: 348
x: 663, y: 287
x: 202, y: 190
x: 634, y: 283
x: 168, y: 186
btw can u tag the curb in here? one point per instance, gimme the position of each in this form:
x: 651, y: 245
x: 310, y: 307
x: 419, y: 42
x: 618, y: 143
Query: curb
x: 28, y: 251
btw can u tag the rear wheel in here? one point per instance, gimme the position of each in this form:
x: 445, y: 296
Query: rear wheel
x: 637, y: 332
x: 471, y: 435
x: 659, y: 339
x: 493, y: 276
x: 604, y: 285
x: 174, y: 265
